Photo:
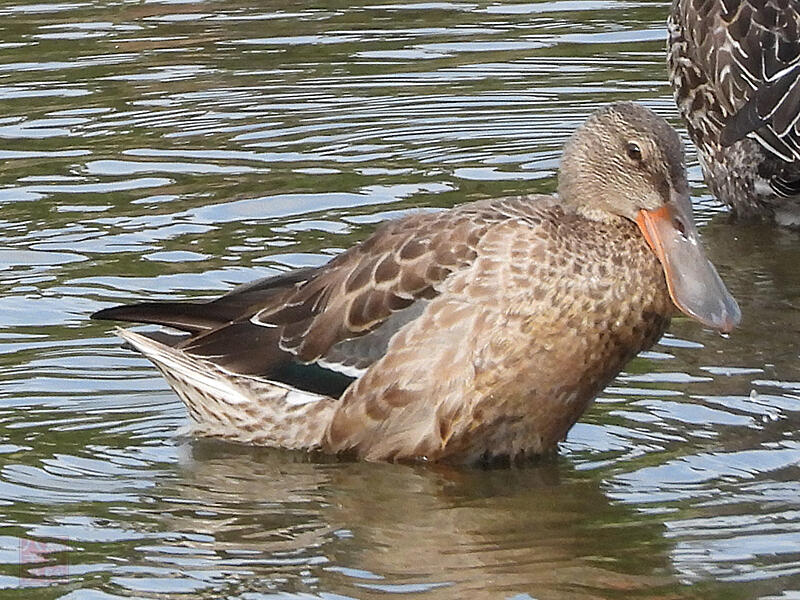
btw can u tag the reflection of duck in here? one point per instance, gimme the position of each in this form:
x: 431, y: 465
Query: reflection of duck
x: 736, y: 76
x: 477, y: 332
x: 277, y: 526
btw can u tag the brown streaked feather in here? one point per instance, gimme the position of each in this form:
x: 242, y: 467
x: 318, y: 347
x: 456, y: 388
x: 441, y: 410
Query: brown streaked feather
x: 735, y: 66
x: 403, y: 261
x: 221, y: 404
x: 356, y: 354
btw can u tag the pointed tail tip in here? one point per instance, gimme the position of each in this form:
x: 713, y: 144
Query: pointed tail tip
x: 142, y: 312
x: 134, y: 313
x: 105, y: 314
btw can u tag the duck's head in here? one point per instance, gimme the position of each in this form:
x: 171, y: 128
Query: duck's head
x: 627, y: 162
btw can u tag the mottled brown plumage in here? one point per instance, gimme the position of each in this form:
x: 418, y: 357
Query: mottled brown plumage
x: 478, y: 332
x: 515, y: 347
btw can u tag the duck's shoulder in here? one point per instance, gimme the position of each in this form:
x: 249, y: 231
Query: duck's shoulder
x: 549, y: 217
x: 449, y: 238
x: 528, y: 211
x: 528, y: 208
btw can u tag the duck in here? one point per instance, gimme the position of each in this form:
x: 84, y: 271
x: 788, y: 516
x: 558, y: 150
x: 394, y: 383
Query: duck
x: 734, y: 67
x: 469, y: 335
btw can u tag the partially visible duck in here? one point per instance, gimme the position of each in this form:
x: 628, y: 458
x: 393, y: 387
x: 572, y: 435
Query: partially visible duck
x: 734, y: 66
x: 479, y: 332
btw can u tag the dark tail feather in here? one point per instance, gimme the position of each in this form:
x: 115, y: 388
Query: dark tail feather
x: 199, y: 317
x: 191, y: 317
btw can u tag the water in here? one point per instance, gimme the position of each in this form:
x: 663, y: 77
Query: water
x: 173, y: 149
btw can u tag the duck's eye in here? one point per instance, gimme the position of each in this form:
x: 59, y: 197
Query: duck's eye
x: 678, y: 224
x: 634, y: 151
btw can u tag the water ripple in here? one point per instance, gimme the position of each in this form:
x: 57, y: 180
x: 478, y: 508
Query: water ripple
x: 174, y: 149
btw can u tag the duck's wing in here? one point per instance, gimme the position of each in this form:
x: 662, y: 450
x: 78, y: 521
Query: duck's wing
x: 752, y: 54
x: 339, y: 316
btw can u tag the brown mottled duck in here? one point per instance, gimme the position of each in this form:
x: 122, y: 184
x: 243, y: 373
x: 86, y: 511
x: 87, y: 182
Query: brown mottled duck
x: 734, y: 66
x: 476, y: 333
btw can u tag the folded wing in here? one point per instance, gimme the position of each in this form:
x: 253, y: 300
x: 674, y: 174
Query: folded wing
x: 300, y: 326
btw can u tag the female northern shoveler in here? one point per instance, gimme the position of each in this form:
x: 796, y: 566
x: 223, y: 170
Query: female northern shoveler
x: 734, y: 66
x: 479, y: 332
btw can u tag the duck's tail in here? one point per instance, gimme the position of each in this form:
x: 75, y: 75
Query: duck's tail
x: 239, y: 408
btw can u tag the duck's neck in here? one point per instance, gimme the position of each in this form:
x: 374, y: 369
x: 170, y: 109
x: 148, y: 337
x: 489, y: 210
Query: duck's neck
x: 579, y: 188
x: 594, y: 213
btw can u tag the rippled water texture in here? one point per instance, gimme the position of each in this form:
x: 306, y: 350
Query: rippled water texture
x: 154, y: 149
